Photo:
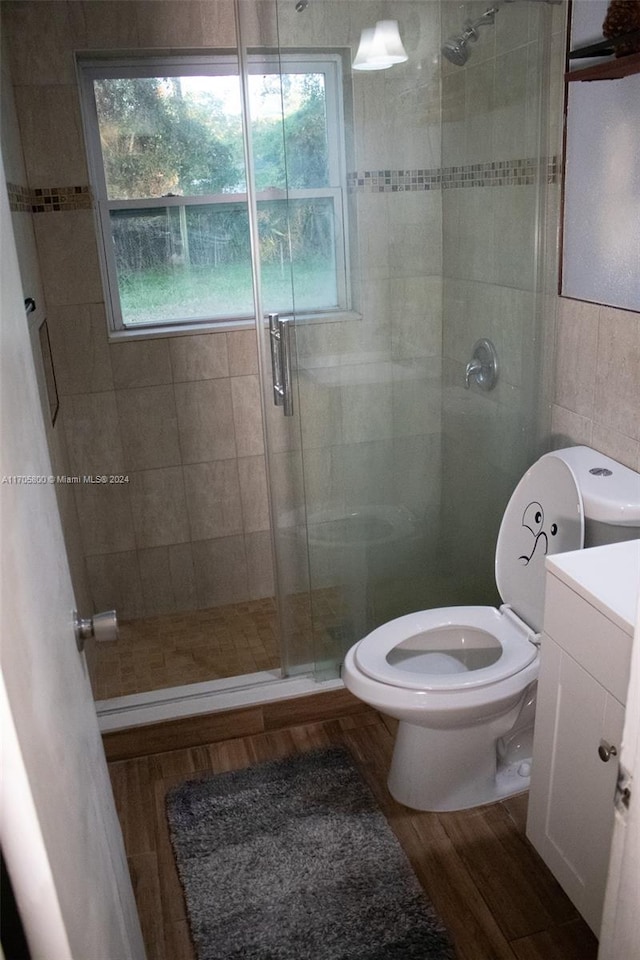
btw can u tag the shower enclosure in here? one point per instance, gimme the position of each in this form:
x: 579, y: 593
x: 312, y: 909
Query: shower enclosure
x: 389, y: 480
x: 378, y: 207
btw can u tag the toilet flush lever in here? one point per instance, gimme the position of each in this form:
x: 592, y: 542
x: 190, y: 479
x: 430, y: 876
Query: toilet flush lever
x: 101, y: 626
x: 483, y: 366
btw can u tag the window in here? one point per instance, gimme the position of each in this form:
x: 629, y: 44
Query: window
x: 169, y: 176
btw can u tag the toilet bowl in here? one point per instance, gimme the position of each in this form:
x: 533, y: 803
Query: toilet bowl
x: 461, y: 680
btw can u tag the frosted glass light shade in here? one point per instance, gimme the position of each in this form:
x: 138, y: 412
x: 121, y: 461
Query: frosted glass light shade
x: 380, y: 48
x: 364, y: 57
x: 388, y: 31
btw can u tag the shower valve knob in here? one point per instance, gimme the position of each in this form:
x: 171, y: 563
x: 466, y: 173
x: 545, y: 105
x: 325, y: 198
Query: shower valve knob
x: 483, y: 366
x: 101, y: 626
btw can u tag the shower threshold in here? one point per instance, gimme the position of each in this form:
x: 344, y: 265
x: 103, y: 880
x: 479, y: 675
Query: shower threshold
x: 190, y: 700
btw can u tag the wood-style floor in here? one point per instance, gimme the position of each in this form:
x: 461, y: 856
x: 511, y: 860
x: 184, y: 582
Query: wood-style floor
x: 491, y: 889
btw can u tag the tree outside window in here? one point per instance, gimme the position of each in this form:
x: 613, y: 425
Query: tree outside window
x: 170, y: 178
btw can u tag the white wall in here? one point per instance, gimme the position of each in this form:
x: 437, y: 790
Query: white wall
x: 69, y: 822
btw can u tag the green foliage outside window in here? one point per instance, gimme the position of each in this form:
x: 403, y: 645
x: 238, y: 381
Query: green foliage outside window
x: 182, y: 137
x: 158, y: 142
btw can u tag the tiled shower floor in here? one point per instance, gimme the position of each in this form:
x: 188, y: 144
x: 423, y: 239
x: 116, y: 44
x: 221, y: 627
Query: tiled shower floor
x: 192, y: 647
x: 229, y: 641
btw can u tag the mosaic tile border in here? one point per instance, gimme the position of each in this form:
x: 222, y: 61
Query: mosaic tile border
x: 499, y: 173
x: 48, y: 199
x: 20, y: 198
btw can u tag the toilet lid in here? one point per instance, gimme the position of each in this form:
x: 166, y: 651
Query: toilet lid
x: 449, y: 648
x: 544, y: 516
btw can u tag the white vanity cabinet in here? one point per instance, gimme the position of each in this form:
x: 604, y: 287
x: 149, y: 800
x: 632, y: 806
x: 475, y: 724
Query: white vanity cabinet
x: 582, y: 688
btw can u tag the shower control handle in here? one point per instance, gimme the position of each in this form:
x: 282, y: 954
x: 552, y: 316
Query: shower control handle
x: 474, y: 367
x: 101, y: 626
x: 483, y: 366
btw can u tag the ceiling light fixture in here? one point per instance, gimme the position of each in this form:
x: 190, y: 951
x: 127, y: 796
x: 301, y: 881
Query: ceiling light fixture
x: 380, y: 47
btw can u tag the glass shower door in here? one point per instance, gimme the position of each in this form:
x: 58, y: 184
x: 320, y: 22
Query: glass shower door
x: 368, y: 361
x: 493, y: 149
x: 271, y: 91
x: 389, y: 482
x: 301, y: 135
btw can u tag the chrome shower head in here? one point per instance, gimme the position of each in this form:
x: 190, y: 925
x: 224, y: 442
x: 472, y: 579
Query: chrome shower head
x: 456, y: 51
x: 302, y: 5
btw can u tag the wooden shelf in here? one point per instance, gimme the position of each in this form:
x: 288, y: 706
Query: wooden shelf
x: 610, y: 70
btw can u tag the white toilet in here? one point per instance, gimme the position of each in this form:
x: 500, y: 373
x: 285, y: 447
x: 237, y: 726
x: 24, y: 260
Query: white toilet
x: 461, y: 680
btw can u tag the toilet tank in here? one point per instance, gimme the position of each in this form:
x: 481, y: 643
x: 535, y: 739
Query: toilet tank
x: 610, y: 495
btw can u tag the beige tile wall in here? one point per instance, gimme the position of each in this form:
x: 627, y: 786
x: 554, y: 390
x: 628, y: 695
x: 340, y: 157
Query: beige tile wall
x: 490, y: 112
x: 597, y: 380
x: 191, y: 446
x: 181, y: 417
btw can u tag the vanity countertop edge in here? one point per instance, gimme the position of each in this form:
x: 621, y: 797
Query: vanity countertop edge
x: 607, y: 577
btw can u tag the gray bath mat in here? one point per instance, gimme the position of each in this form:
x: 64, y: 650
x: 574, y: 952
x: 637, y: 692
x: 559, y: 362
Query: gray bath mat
x: 293, y: 860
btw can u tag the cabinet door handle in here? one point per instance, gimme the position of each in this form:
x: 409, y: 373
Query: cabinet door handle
x: 606, y: 751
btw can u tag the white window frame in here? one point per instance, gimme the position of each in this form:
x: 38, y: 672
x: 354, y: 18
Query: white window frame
x: 330, y: 65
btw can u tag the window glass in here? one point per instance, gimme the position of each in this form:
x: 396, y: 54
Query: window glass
x: 190, y: 262
x: 172, y: 191
x: 170, y: 136
x: 301, y: 99
x: 312, y: 238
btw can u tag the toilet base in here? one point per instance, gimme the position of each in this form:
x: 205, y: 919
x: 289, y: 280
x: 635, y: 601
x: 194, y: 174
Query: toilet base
x: 453, y: 770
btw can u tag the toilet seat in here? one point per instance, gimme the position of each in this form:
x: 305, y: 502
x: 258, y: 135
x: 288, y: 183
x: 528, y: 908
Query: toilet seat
x: 449, y: 648
x: 460, y: 648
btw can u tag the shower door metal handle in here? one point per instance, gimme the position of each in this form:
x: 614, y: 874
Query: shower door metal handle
x: 276, y: 358
x: 285, y: 360
x: 280, y: 340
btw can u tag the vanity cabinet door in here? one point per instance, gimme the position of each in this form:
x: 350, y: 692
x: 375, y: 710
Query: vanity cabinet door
x: 571, y: 804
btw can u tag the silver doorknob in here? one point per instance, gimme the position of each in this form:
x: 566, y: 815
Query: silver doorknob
x: 101, y: 626
x: 606, y: 751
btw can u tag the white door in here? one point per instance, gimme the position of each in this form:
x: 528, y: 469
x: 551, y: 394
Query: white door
x: 620, y: 934
x: 570, y: 819
x: 58, y: 826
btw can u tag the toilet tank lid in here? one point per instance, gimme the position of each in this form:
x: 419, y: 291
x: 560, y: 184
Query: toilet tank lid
x: 544, y: 516
x: 610, y: 491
